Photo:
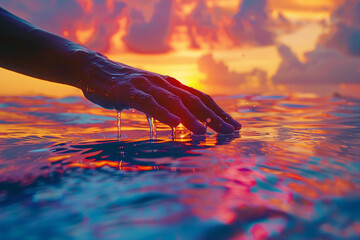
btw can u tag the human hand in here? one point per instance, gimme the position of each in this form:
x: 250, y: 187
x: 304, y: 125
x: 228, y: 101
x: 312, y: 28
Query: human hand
x: 114, y: 85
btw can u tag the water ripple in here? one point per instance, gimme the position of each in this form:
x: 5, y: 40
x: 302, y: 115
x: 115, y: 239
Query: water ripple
x: 291, y: 172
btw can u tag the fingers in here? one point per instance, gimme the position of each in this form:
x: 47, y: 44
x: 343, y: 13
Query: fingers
x: 202, y: 112
x: 174, y: 104
x: 197, y: 107
x: 146, y: 103
x: 208, y: 101
x: 171, y: 103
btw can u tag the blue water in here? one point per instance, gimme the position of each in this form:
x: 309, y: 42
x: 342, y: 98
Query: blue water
x: 292, y: 172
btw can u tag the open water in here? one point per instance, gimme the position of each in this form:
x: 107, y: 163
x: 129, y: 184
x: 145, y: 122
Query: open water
x: 292, y: 172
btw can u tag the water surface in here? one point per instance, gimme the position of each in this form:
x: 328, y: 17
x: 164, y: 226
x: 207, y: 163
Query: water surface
x: 293, y: 171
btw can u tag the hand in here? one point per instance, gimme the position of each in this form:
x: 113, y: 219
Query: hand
x: 114, y: 85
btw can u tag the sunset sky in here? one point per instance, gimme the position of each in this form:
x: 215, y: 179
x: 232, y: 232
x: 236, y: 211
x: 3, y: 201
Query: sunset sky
x: 218, y: 46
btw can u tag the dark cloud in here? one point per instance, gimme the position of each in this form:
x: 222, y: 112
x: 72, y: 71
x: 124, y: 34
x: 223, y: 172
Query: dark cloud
x: 322, y: 66
x: 251, y: 24
x: 345, y: 29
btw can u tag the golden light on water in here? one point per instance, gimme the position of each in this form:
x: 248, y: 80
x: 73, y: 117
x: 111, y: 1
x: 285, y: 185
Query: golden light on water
x: 295, y: 153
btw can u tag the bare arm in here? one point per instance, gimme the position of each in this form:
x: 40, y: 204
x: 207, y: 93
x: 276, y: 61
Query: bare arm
x: 32, y: 51
x: 27, y: 49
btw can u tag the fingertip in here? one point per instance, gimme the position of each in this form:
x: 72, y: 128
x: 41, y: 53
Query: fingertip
x: 197, y: 128
x: 226, y: 128
x: 235, y: 124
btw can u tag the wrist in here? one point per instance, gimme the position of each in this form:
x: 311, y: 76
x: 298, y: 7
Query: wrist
x: 85, y: 60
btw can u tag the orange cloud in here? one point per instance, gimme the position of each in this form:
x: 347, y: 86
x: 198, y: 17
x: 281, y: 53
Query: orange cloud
x: 221, y: 80
x: 335, y: 61
x: 155, y: 26
x: 191, y: 27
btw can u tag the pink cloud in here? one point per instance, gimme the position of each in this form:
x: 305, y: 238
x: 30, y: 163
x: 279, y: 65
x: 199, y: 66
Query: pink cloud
x: 251, y: 24
x: 151, y: 36
x: 201, y: 25
x: 152, y: 24
x: 336, y: 58
x: 322, y: 66
x: 221, y: 79
x: 58, y: 16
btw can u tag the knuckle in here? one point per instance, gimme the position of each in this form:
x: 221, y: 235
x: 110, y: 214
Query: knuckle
x: 173, y: 81
x: 139, y: 81
x: 206, y: 97
x: 146, y: 98
x: 135, y: 95
x: 151, y: 75
x: 132, y: 92
x: 157, y: 80
x: 174, y: 99
x: 195, y: 99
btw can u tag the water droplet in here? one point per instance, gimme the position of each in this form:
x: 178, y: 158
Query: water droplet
x: 119, y: 125
x: 152, y: 126
x: 205, y: 125
x: 173, y: 133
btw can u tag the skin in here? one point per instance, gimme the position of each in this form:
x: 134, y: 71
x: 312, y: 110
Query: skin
x: 113, y: 85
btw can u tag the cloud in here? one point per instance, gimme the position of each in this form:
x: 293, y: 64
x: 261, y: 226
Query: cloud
x: 345, y: 29
x: 70, y: 18
x: 94, y: 22
x: 334, y: 62
x: 211, y: 26
x: 322, y: 66
x: 201, y: 26
x: 153, y: 26
x: 151, y: 36
x: 251, y: 24
x: 218, y: 76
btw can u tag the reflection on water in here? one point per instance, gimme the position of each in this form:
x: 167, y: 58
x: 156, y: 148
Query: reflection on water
x: 291, y: 172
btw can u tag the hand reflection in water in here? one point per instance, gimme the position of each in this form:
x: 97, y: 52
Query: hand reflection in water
x: 135, y: 155
x: 32, y: 51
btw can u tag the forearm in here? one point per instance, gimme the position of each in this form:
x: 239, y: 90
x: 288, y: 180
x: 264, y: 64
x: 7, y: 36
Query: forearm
x: 32, y: 51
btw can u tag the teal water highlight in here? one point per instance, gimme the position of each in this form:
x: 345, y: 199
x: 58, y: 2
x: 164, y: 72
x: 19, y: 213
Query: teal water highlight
x: 292, y: 172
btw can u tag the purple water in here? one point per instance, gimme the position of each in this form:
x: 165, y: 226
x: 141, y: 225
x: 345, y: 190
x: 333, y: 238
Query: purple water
x: 293, y: 172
